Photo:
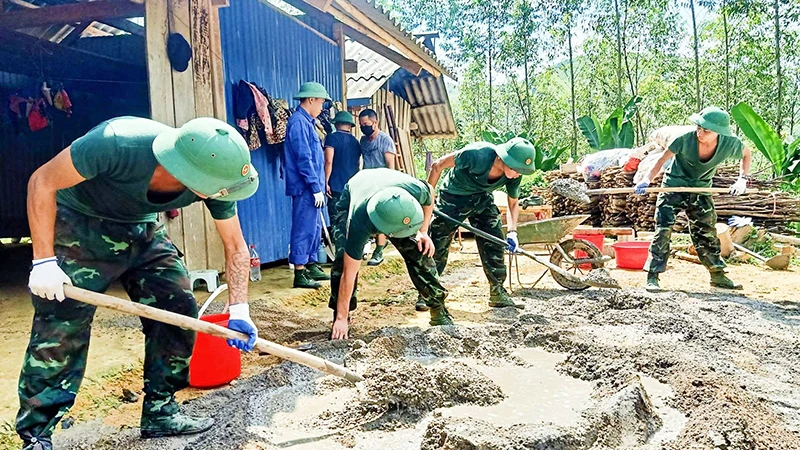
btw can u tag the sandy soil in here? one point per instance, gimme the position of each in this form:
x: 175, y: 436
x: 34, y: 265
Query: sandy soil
x: 730, y: 358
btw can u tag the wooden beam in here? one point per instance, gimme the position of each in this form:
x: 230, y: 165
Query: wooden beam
x: 315, y: 12
x: 217, y: 68
x: 71, y: 13
x: 220, y: 3
x: 384, y: 51
x: 338, y: 34
x: 362, y: 18
x: 388, y: 27
x: 125, y: 25
x: 76, y: 33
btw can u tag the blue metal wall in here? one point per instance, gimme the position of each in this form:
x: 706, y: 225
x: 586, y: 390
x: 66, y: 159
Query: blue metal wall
x: 262, y: 45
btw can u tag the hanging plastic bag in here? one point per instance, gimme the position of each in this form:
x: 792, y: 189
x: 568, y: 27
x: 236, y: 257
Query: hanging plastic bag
x: 593, y: 164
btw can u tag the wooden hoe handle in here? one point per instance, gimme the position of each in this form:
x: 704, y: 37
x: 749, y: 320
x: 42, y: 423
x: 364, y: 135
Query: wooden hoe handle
x: 189, y: 323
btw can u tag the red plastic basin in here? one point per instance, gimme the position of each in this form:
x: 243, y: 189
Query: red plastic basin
x: 214, y: 362
x: 596, y: 239
x: 631, y: 255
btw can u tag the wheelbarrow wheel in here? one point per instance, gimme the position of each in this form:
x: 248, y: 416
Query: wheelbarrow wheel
x: 569, y: 246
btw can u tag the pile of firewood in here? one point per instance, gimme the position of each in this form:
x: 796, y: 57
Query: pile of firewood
x: 770, y: 208
x: 642, y: 211
x: 566, y: 207
x: 614, y: 208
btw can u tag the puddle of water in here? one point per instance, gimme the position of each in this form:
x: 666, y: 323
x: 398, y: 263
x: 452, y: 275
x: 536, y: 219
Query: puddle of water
x: 535, y: 394
x: 673, y: 421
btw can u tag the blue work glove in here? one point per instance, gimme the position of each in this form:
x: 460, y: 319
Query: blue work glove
x: 240, y: 321
x: 513, y: 241
x: 640, y: 188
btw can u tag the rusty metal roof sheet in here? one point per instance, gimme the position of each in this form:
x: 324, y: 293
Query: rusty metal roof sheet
x: 427, y: 95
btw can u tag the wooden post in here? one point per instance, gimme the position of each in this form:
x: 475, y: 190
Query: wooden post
x: 338, y: 35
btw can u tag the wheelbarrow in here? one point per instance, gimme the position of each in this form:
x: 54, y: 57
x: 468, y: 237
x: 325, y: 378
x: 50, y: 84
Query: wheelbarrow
x: 566, y: 270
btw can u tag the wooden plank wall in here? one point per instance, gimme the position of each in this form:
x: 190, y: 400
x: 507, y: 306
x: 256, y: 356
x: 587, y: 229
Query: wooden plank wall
x: 402, y: 117
x: 177, y: 97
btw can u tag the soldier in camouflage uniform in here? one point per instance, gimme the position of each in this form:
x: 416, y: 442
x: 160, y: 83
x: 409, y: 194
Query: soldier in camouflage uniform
x: 697, y: 155
x: 93, y: 219
x: 466, y: 193
x: 400, y: 206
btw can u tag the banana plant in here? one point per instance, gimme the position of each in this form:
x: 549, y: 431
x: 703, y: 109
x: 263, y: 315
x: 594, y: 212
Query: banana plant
x: 784, y: 156
x: 616, y: 132
x: 544, y: 159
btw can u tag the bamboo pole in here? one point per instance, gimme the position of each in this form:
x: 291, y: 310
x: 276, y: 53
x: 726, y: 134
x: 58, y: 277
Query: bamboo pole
x: 189, y: 323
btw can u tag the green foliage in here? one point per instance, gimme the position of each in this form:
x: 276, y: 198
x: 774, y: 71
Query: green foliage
x: 531, y: 182
x: 616, y: 132
x: 783, y: 156
x: 544, y: 159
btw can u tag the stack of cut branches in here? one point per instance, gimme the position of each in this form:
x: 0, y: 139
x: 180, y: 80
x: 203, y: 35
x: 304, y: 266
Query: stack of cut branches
x: 565, y: 207
x: 614, y: 208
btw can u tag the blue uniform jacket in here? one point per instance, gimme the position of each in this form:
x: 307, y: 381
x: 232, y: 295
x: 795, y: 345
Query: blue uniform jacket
x: 304, y: 160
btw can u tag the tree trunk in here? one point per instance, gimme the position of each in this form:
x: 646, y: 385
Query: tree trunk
x: 574, y: 151
x: 727, y: 56
x: 489, y: 47
x: 696, y: 57
x: 778, y: 75
x: 619, y: 54
x: 527, y: 96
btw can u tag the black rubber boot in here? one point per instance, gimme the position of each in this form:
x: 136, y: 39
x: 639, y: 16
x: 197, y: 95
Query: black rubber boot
x: 652, y: 282
x: 174, y: 425
x: 302, y: 280
x: 315, y: 272
x: 720, y: 280
x: 421, y: 306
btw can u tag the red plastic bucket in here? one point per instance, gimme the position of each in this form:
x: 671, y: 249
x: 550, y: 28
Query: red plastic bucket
x: 631, y: 255
x: 214, y: 362
x: 596, y: 239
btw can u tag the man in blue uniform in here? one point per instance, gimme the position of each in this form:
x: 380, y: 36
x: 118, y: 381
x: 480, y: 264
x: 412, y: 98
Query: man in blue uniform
x: 305, y: 183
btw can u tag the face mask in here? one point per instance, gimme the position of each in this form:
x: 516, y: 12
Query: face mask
x: 367, y: 130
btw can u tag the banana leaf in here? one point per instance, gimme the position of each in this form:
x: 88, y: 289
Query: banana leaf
x: 630, y: 108
x: 626, y: 136
x: 551, y: 160
x: 763, y: 136
x: 591, y: 130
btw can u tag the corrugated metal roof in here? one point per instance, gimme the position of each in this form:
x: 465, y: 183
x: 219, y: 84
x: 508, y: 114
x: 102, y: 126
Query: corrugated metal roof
x: 373, y: 71
x: 427, y: 95
x: 430, y: 107
x: 263, y: 45
x: 383, y: 18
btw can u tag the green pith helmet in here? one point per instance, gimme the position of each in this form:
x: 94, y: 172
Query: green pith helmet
x: 519, y: 154
x: 394, y: 212
x: 344, y: 117
x: 312, y: 90
x: 210, y: 157
x: 713, y: 118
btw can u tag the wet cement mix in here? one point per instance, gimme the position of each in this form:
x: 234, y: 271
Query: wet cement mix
x: 598, y: 369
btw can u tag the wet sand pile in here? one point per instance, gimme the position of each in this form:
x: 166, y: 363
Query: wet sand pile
x: 416, y: 388
x: 625, y: 420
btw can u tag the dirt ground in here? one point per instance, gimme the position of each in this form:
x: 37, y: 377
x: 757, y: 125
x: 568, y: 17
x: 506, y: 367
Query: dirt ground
x: 693, y: 368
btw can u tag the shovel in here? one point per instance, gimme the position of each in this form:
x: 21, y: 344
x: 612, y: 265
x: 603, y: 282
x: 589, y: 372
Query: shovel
x: 327, y: 243
x: 596, y: 277
x: 189, y: 323
x: 579, y: 192
x: 780, y: 262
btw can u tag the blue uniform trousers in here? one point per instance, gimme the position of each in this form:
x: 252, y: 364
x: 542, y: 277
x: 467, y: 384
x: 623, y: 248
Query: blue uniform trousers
x: 306, y: 234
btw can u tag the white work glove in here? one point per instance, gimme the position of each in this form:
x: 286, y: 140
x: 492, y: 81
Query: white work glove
x: 319, y: 199
x: 513, y: 241
x: 47, y: 279
x: 240, y: 321
x: 644, y: 184
x: 740, y: 187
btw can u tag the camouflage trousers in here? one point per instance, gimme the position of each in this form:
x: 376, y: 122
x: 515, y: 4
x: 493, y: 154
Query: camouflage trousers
x: 95, y: 252
x: 702, y: 220
x: 483, y: 215
x: 421, y: 268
